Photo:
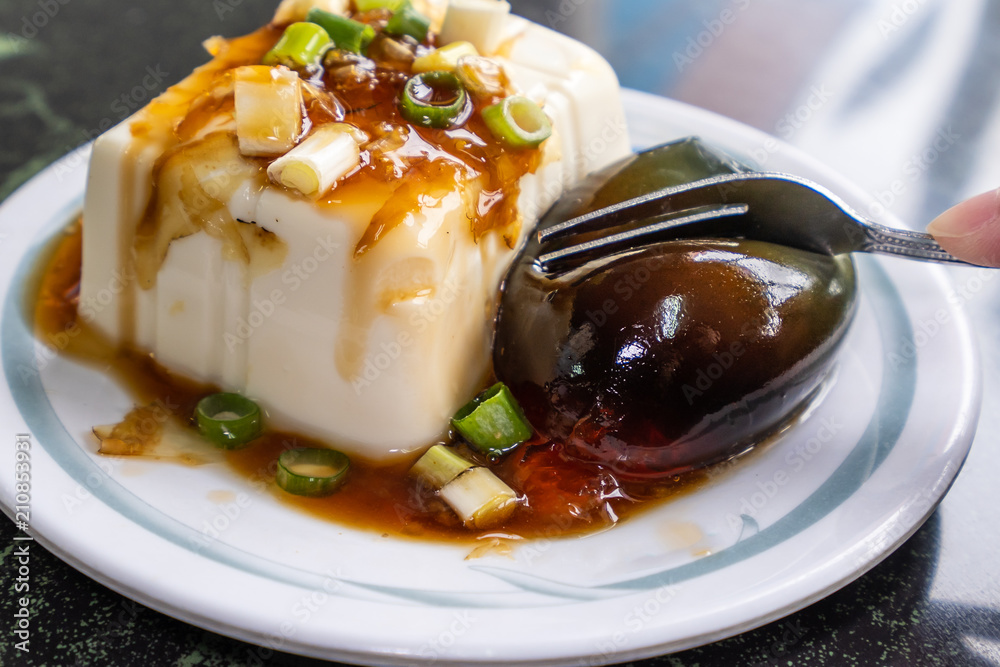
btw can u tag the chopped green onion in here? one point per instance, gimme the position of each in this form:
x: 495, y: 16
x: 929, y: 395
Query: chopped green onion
x: 368, y: 5
x: 301, y: 45
x: 228, y: 420
x: 493, y: 422
x: 478, y: 497
x: 346, y: 33
x: 408, y: 21
x: 517, y: 122
x: 439, y: 466
x: 482, y: 77
x: 315, y: 165
x: 312, y: 472
x: 434, y: 99
x: 446, y: 58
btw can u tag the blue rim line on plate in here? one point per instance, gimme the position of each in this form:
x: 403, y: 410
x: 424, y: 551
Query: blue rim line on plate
x: 880, y: 437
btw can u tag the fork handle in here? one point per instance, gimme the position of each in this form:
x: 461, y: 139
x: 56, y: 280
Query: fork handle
x: 902, y: 242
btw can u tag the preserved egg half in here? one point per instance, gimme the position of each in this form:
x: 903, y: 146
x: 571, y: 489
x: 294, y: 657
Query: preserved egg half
x: 659, y: 360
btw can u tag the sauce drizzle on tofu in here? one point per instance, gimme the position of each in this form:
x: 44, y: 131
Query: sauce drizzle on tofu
x: 350, y: 88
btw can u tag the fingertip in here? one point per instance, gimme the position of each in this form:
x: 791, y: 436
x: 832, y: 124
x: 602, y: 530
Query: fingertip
x: 971, y: 230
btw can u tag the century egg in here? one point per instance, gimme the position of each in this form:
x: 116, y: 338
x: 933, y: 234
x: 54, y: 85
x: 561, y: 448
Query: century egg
x: 657, y: 360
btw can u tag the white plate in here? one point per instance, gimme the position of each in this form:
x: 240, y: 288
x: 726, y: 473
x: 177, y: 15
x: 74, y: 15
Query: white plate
x: 833, y: 497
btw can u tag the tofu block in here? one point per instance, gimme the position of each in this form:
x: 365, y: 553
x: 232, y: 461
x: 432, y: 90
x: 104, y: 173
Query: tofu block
x: 269, y: 293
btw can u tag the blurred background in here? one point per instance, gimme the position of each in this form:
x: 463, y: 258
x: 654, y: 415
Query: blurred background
x: 901, y: 96
x: 882, y: 90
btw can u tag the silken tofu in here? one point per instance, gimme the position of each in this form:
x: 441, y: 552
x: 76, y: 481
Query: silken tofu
x: 368, y: 336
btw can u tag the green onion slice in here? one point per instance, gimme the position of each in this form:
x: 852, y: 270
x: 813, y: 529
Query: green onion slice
x: 408, y: 21
x: 478, y: 497
x: 368, y: 5
x: 439, y: 466
x: 518, y: 122
x: 434, y: 99
x: 301, y: 45
x: 312, y: 472
x: 228, y: 420
x: 346, y: 33
x: 493, y: 422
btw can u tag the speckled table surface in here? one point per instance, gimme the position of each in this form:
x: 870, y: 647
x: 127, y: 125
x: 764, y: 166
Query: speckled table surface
x: 898, y: 74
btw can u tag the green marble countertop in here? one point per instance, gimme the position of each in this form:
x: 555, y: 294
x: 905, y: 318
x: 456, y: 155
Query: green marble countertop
x: 69, y: 69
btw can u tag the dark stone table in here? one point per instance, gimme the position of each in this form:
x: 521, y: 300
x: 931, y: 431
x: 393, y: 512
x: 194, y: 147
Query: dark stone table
x: 897, y: 73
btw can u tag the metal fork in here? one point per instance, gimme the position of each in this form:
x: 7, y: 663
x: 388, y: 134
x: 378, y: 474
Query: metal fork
x: 775, y: 207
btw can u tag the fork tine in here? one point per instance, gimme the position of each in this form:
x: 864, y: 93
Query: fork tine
x: 676, y: 199
x: 646, y: 233
x: 771, y: 205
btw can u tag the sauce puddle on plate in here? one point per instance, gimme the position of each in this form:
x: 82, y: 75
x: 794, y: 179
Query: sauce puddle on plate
x: 560, y: 496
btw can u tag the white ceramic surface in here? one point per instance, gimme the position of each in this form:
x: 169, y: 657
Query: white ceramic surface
x: 825, y: 503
